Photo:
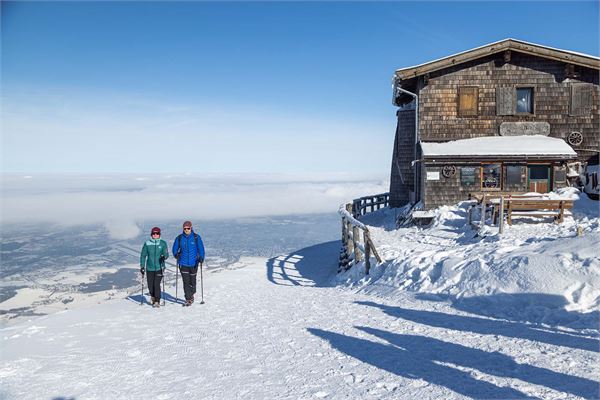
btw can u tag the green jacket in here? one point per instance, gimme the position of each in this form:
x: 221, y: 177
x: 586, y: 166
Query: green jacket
x: 151, y: 252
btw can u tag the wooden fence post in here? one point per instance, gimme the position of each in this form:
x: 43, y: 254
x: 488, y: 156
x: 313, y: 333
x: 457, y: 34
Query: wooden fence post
x: 482, y: 212
x: 501, y: 216
x: 367, y: 252
x: 349, y: 240
x: 356, y: 240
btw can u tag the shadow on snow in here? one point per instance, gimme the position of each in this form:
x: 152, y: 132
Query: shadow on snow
x: 486, y: 326
x: 311, y: 266
x: 137, y: 298
x: 439, y: 363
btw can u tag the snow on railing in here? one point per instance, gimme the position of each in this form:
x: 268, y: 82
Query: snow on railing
x: 355, y: 247
x: 360, y: 206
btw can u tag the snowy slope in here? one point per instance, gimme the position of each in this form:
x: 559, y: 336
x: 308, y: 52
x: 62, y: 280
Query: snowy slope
x: 446, y: 316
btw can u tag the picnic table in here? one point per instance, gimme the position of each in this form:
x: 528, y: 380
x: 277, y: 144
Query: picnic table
x: 538, y: 205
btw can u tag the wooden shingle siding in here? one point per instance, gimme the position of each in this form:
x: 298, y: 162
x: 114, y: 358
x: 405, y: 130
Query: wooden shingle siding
x: 505, y: 100
x: 438, y: 111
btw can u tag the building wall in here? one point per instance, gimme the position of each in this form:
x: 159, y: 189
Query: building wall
x: 402, y: 175
x: 449, y: 191
x: 438, y: 100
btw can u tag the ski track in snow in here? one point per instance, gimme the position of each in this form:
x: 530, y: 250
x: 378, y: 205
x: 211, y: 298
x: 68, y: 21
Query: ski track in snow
x: 274, y: 330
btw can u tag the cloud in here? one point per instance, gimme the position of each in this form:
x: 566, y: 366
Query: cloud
x: 121, y: 202
x: 75, y: 132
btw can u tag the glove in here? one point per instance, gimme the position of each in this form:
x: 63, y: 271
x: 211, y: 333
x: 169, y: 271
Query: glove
x: 201, y: 259
x: 161, y: 258
x: 142, y: 271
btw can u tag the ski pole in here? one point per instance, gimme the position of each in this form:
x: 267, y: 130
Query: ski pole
x: 142, y: 299
x: 201, y: 286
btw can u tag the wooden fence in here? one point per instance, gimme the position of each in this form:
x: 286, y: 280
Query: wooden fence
x: 375, y: 202
x: 356, y: 241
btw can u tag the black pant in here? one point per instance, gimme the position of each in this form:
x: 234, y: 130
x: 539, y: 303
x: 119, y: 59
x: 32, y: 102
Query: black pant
x: 154, y: 279
x: 188, y: 275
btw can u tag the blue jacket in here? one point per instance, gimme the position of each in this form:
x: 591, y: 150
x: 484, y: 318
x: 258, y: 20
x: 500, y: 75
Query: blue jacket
x: 190, y: 254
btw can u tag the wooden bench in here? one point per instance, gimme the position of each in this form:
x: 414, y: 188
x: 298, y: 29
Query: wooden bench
x: 534, y: 207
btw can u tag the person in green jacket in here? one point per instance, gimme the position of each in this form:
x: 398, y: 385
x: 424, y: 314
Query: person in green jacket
x: 152, y: 260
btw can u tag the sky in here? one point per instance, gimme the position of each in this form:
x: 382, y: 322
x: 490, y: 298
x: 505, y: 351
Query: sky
x: 235, y: 87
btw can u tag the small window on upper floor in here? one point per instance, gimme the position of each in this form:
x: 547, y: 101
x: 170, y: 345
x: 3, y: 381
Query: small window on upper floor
x: 525, y: 100
x: 468, y: 101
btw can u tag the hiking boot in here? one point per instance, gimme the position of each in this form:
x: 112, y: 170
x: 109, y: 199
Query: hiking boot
x: 189, y: 302
x: 156, y: 305
x: 152, y: 300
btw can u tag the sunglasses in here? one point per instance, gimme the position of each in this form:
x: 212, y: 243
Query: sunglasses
x: 187, y: 229
x: 155, y: 233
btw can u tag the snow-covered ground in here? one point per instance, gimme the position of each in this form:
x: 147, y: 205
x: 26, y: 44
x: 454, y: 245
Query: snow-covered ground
x: 447, y: 316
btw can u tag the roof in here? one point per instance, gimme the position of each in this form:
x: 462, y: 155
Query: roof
x: 520, y: 46
x: 501, y: 146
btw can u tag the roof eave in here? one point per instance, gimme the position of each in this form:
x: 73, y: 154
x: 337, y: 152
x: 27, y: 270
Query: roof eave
x: 496, y: 47
x: 511, y: 157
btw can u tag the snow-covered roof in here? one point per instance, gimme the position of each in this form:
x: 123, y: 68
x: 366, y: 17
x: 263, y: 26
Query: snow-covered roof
x: 530, y: 145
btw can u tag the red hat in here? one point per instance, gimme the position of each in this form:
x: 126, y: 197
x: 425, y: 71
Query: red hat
x: 156, y: 229
x: 187, y: 223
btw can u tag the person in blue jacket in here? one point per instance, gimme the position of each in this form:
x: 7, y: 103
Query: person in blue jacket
x: 188, y: 249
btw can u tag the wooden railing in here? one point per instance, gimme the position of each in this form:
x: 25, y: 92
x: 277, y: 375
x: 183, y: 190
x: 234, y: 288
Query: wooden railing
x: 375, y: 202
x: 356, y: 241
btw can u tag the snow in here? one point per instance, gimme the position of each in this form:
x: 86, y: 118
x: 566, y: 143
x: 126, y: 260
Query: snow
x: 529, y: 145
x: 451, y: 313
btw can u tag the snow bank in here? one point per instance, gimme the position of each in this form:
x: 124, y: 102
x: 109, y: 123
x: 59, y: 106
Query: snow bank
x: 541, y: 271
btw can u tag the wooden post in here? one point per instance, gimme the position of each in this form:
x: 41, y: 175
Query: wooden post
x: 482, y: 212
x: 349, y: 242
x: 501, y: 216
x: 367, y: 252
x: 356, y: 240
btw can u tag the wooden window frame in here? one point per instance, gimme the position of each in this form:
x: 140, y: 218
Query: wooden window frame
x: 533, y: 95
x: 486, y: 189
x: 459, y: 112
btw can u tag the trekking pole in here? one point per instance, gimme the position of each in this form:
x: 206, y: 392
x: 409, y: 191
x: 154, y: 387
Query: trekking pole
x: 163, y: 279
x: 176, y: 276
x: 201, y: 286
x: 142, y: 299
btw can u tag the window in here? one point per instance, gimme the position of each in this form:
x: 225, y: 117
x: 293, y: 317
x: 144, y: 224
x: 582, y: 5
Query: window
x: 467, y: 176
x: 525, y: 100
x: 491, y: 176
x: 581, y: 99
x: 511, y: 100
x: 468, y: 103
x: 513, y: 174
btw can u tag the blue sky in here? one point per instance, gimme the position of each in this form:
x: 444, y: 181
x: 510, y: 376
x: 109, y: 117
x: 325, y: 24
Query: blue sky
x: 267, y: 87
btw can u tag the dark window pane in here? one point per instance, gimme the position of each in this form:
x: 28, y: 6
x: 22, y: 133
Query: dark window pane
x: 525, y: 100
x: 539, y: 172
x: 513, y: 174
x: 467, y: 176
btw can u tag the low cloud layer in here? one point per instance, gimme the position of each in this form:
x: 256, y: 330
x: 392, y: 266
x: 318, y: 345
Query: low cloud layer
x: 122, y: 202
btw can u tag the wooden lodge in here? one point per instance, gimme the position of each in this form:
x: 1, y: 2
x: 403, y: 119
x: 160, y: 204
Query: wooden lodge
x: 507, y: 117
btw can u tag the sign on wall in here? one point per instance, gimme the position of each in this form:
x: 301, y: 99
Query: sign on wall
x: 467, y: 176
x: 433, y: 175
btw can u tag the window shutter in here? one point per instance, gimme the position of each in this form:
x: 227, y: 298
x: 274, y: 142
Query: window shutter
x: 468, y: 104
x: 581, y: 99
x: 505, y: 101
